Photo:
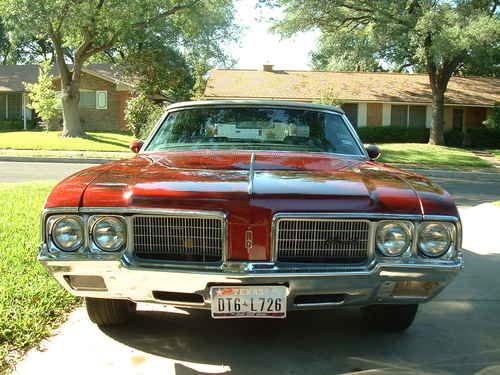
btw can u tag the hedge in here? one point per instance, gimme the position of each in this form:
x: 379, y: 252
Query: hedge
x: 16, y: 124
x: 479, y: 137
x: 393, y: 134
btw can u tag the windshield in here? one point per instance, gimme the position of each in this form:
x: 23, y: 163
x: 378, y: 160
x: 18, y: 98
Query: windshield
x: 250, y: 128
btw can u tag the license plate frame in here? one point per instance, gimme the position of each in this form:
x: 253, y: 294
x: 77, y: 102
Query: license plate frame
x: 250, y: 301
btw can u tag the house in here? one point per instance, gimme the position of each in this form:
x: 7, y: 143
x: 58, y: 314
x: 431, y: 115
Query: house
x: 368, y: 99
x: 103, y: 95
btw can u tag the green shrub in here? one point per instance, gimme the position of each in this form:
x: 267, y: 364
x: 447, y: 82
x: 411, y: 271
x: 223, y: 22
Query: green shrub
x: 393, y: 134
x: 142, y: 114
x: 479, y: 137
x: 493, y: 120
x: 16, y: 124
x: 44, y: 99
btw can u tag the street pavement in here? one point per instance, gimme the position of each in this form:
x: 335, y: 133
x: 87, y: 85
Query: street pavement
x: 30, y: 171
x: 457, y: 333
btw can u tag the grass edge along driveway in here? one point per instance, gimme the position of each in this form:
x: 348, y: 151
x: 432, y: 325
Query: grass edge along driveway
x: 32, y: 304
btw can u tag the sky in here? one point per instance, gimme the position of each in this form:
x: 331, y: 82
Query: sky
x: 258, y: 46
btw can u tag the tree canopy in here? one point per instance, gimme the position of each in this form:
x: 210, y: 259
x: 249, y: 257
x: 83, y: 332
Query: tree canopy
x: 440, y: 38
x: 79, y: 31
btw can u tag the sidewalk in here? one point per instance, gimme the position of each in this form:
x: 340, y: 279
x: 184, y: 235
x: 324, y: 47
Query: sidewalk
x: 489, y: 157
x: 48, y: 156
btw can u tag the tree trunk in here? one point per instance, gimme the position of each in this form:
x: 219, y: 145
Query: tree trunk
x: 437, y: 127
x: 72, y: 126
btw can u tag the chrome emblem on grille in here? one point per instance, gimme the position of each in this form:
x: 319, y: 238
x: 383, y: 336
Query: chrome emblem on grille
x: 335, y: 241
x: 248, y: 240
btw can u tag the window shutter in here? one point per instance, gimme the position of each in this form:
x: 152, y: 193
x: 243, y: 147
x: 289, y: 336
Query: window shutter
x: 101, y: 100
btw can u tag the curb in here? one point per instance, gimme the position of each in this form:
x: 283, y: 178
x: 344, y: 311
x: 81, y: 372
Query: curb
x: 27, y: 159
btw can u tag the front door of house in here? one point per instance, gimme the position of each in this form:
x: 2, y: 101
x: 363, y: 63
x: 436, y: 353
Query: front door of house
x: 458, y: 118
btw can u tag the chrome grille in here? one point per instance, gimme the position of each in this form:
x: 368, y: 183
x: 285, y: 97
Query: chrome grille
x: 322, y: 240
x: 178, y: 238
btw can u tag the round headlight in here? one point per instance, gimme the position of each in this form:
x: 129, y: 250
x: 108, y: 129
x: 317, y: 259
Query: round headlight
x: 393, y: 238
x: 434, y: 239
x: 109, y: 233
x: 67, y: 233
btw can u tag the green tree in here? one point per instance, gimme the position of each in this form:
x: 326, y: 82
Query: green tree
x: 90, y: 27
x: 142, y: 114
x: 179, y: 72
x: 42, y: 95
x: 330, y: 97
x: 441, y: 38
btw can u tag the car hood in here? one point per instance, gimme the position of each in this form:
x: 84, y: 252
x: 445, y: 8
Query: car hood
x: 279, y: 181
x: 250, y: 188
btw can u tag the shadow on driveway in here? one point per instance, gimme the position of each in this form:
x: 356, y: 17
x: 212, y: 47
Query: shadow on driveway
x: 458, y: 333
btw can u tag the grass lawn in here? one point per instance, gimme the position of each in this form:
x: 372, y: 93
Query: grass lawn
x: 41, y: 140
x: 422, y: 154
x: 31, y: 302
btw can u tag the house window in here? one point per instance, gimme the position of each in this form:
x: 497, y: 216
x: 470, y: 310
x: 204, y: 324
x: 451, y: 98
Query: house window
x: 399, y: 115
x: 3, y: 106
x: 351, y: 111
x: 418, y: 114
x: 101, y: 99
x: 90, y: 99
x: 11, y: 106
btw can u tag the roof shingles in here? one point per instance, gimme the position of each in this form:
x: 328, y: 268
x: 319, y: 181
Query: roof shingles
x: 347, y: 86
x: 12, y: 77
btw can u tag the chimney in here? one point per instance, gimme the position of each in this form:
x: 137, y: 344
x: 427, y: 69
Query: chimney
x: 267, y: 67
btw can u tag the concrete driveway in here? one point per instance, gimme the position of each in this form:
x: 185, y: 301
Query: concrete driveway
x: 458, y: 333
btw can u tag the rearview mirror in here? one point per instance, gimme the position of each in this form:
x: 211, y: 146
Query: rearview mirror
x: 136, y: 146
x: 373, y: 152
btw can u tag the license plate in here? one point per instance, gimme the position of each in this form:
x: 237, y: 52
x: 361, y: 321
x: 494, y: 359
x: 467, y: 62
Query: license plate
x: 248, y: 302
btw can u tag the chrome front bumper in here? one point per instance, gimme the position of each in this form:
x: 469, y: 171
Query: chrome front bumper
x: 379, y: 283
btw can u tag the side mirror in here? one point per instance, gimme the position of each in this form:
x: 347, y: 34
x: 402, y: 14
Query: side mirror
x: 373, y: 152
x: 136, y: 146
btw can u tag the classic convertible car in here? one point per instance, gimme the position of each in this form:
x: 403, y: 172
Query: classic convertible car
x: 251, y: 209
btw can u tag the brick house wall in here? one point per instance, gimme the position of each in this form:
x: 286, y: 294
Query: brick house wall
x: 112, y: 118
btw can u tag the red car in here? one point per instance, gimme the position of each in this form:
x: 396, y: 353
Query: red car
x: 251, y: 209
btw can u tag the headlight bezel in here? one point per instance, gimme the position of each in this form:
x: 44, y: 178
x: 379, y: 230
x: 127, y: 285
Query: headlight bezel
x: 408, y: 228
x: 95, y: 220
x: 52, y: 224
x: 86, y: 221
x: 451, y: 229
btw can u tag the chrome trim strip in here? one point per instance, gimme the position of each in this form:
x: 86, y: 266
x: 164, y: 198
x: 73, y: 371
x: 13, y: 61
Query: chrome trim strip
x: 251, y: 174
x: 151, y: 211
x: 347, y: 215
x: 318, y: 304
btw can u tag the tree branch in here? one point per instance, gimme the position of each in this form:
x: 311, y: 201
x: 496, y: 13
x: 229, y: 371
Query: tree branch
x: 63, y: 68
x: 164, y: 14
